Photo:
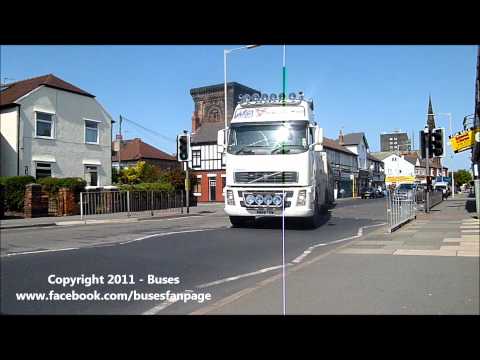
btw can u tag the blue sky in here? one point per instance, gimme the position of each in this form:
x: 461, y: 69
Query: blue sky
x: 357, y: 88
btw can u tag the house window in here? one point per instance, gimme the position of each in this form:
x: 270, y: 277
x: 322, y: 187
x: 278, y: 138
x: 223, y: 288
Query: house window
x: 197, y: 188
x: 44, y: 125
x: 91, y: 175
x: 43, y: 170
x: 91, y: 132
x: 224, y: 182
x: 196, y: 158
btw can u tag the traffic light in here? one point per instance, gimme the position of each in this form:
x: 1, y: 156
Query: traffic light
x: 183, y: 148
x: 423, y: 138
x: 437, y: 143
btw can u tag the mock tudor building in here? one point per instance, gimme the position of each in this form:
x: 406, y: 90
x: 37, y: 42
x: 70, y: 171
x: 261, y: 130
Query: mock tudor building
x: 50, y: 127
x: 208, y: 117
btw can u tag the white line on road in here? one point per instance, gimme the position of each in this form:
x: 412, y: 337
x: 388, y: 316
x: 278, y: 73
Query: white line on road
x: 108, y: 244
x: 232, y: 278
x: 38, y: 251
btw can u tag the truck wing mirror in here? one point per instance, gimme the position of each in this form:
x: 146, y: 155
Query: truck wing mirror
x: 221, y: 140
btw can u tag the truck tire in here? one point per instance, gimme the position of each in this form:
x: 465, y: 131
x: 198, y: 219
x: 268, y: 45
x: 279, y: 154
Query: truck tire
x: 313, y: 221
x: 239, y: 221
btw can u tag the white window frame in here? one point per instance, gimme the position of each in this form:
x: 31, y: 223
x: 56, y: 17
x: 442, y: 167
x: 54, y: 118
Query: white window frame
x: 85, y: 131
x: 52, y: 129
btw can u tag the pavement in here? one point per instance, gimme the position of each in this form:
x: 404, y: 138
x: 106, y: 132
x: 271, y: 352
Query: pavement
x: 429, y: 266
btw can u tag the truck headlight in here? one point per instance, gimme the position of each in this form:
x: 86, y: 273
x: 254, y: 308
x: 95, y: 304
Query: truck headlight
x: 230, y: 198
x: 277, y: 200
x: 250, y: 199
x: 268, y: 200
x: 259, y: 199
x: 302, y: 198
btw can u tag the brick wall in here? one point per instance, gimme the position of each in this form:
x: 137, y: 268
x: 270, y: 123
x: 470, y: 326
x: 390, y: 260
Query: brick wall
x: 34, y: 205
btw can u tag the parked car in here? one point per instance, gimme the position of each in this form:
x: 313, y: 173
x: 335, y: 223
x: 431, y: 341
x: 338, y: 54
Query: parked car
x: 444, y: 188
x: 368, y: 193
x: 405, y: 191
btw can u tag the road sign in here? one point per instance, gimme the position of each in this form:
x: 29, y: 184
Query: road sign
x: 464, y: 140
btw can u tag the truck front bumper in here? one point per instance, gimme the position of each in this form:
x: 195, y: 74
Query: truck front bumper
x: 291, y: 210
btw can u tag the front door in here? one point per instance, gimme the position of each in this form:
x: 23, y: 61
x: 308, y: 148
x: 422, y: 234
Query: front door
x: 212, y: 185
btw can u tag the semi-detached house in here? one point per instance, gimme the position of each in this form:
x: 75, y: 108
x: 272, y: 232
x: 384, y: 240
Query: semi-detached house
x: 50, y: 127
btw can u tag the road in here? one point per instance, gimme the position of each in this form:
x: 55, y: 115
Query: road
x: 199, y: 250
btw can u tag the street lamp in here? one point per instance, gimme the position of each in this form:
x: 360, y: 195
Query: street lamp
x: 451, y: 156
x: 225, y: 52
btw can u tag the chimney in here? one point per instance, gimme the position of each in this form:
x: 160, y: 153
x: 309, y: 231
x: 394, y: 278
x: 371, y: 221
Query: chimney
x: 195, y: 121
x: 340, y: 138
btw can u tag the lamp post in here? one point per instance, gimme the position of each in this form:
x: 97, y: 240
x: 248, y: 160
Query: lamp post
x: 225, y: 52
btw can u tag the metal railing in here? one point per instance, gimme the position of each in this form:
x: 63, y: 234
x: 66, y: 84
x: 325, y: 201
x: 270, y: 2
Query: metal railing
x: 400, y: 209
x: 435, y: 198
x: 130, y: 203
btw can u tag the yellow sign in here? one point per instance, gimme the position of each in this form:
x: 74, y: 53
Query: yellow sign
x: 463, y: 140
x: 400, y: 179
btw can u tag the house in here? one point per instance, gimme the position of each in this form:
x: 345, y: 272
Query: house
x: 207, y: 163
x: 397, y: 168
x: 50, y: 127
x: 135, y: 150
x: 376, y: 176
x: 357, y: 143
x: 344, y: 165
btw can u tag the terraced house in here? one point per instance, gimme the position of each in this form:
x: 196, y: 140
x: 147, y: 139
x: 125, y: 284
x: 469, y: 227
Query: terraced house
x: 50, y: 127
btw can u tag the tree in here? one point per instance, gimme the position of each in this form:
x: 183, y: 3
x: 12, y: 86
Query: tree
x: 142, y: 172
x: 462, y: 177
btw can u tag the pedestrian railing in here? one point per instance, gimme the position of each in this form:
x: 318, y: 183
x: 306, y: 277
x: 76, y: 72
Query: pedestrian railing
x: 400, y: 209
x: 130, y: 203
x: 435, y: 198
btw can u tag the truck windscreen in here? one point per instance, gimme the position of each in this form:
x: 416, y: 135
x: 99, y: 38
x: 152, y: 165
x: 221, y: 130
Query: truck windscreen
x: 266, y: 139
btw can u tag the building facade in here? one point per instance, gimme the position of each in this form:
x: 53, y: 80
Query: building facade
x: 376, y: 176
x: 344, y: 165
x: 357, y: 143
x: 52, y: 128
x: 208, y: 117
x: 395, y: 141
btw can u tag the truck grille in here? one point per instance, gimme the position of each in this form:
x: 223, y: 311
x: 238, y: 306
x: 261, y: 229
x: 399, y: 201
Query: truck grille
x: 266, y: 177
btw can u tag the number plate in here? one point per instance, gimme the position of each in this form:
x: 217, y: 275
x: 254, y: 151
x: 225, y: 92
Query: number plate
x: 266, y: 211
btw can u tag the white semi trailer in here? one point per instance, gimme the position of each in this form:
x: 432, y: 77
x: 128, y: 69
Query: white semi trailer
x: 275, y: 161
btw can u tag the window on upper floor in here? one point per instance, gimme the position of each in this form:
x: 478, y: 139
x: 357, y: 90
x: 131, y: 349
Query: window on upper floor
x: 44, y: 125
x: 196, y: 158
x: 91, y: 132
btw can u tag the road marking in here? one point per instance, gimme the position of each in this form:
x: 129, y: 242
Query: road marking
x: 232, y: 278
x: 159, y: 307
x: 300, y: 258
x: 37, y: 252
x: 107, y: 244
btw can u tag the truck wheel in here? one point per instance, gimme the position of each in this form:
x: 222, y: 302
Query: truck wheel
x: 313, y: 221
x: 239, y: 221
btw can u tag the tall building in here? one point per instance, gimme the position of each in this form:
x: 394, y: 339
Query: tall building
x: 395, y: 141
x: 208, y: 117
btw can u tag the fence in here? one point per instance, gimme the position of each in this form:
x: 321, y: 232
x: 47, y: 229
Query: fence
x: 130, y: 202
x: 400, y: 209
x: 435, y: 199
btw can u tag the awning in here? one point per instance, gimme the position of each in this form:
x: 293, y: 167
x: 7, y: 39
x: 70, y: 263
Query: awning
x: 43, y: 158
x: 92, y: 162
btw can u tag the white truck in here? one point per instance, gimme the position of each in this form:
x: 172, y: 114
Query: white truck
x: 275, y: 161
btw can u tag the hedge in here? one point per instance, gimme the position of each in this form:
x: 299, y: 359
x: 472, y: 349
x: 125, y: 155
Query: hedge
x: 157, y: 186
x: 52, y: 185
x: 15, y: 190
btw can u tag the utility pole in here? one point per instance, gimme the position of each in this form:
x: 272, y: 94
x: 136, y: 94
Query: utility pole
x: 120, y: 145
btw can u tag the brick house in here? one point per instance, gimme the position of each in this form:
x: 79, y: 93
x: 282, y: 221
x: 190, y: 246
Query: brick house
x: 135, y: 150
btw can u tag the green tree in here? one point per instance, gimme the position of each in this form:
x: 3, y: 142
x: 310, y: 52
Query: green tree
x: 462, y: 177
x: 142, y: 172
